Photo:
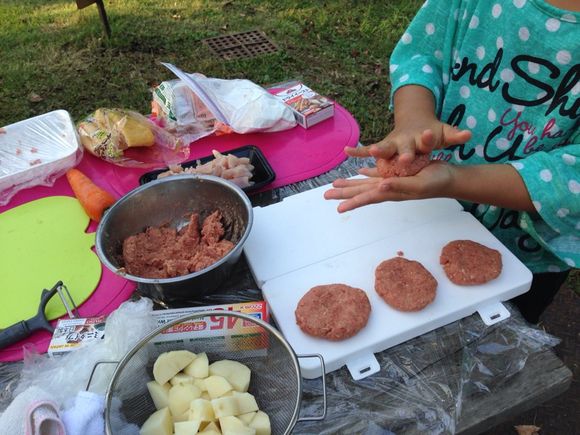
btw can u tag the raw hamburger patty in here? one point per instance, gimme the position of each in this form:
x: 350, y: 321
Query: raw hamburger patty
x: 392, y: 167
x: 404, y: 284
x: 333, y: 311
x: 468, y: 263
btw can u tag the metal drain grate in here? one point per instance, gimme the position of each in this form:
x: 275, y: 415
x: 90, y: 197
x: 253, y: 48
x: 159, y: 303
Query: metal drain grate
x: 242, y: 45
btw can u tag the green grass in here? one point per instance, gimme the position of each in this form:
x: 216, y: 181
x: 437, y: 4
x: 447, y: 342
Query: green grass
x: 340, y: 48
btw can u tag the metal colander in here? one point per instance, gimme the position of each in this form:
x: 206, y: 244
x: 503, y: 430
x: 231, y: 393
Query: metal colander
x: 275, y: 381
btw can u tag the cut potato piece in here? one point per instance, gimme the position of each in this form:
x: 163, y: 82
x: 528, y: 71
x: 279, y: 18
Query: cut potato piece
x: 246, y: 402
x: 235, y: 372
x: 158, y: 423
x: 225, y: 407
x: 198, y: 368
x: 186, y: 427
x: 181, y: 379
x: 201, y: 409
x: 200, y: 383
x: 217, y: 386
x: 180, y: 397
x: 235, y: 426
x: 159, y: 394
x: 168, y: 364
x: 247, y: 418
x: 211, y: 429
x: 182, y: 417
x: 205, y: 395
x: 261, y: 423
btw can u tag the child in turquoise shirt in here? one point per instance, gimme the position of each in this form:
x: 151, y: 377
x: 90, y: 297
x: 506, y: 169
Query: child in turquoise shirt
x: 490, y: 89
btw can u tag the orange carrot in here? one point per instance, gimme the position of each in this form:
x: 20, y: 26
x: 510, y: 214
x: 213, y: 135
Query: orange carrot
x: 93, y: 199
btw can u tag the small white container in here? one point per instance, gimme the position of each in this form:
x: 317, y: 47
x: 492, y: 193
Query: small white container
x: 35, y: 149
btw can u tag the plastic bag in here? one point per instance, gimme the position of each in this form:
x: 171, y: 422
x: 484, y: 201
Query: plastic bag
x: 178, y: 110
x: 37, y: 151
x: 63, y: 377
x: 235, y: 105
x: 127, y: 138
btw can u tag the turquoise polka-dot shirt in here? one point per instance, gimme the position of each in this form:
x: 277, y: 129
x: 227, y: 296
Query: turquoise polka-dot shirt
x: 509, y: 71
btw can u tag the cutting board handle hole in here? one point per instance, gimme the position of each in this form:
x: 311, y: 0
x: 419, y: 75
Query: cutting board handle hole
x: 363, y: 371
x: 493, y: 313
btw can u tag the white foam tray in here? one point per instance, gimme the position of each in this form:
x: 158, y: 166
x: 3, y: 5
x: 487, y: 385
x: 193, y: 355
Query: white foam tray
x: 34, y: 148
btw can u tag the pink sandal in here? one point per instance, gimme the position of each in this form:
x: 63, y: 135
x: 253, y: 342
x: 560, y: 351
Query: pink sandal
x: 43, y: 419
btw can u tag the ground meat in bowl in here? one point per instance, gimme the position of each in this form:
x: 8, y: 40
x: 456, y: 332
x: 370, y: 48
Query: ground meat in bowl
x: 164, y: 252
x: 333, y: 311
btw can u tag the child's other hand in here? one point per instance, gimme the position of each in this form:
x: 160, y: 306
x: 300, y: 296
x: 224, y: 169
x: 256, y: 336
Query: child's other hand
x: 420, y: 137
x: 435, y: 180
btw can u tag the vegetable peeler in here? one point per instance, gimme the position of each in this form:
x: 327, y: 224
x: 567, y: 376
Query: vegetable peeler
x: 23, y: 329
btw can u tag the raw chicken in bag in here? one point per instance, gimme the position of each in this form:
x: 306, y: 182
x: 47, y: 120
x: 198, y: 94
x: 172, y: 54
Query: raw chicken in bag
x: 238, y: 105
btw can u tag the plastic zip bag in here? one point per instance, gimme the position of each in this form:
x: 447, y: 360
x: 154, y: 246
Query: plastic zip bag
x: 237, y: 105
x: 180, y: 111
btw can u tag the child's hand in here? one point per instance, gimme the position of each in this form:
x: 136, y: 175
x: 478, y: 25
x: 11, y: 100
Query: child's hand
x: 420, y: 136
x: 435, y: 180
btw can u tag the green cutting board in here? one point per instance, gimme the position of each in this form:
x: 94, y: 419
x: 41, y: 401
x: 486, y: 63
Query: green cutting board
x: 43, y: 242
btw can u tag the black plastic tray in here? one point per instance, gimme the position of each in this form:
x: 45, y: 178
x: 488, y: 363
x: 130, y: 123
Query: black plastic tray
x: 262, y: 174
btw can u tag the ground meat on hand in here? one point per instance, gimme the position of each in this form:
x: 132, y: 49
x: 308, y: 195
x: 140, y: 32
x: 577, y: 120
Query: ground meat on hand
x: 163, y: 252
x: 392, y: 167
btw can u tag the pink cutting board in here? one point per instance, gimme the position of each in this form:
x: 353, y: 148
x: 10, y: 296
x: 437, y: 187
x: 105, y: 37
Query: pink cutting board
x: 294, y: 155
x: 111, y: 290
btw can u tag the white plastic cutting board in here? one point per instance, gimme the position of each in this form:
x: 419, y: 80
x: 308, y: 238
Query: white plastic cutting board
x: 303, y: 242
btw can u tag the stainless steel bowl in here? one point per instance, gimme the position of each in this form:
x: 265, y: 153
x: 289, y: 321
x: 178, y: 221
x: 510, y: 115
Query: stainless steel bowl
x: 170, y: 201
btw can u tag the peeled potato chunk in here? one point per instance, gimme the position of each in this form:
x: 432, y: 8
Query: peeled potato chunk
x: 235, y: 426
x: 180, y: 397
x: 211, y: 429
x: 201, y: 409
x: 198, y: 368
x: 159, y: 394
x: 181, y: 379
x: 168, y: 364
x: 200, y: 383
x: 235, y: 372
x: 247, y: 418
x: 158, y: 423
x: 261, y: 423
x: 182, y: 417
x: 217, y: 386
x: 189, y: 427
x: 246, y: 402
x: 225, y: 407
